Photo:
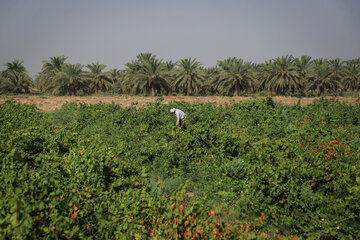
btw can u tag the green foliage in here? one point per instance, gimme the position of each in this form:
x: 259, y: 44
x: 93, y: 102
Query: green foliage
x: 188, y: 76
x: 285, y: 75
x: 148, y: 73
x: 99, y: 81
x: 15, y: 78
x: 248, y: 170
x: 16, y: 82
x: 234, y: 74
x: 70, y: 81
x: 46, y: 78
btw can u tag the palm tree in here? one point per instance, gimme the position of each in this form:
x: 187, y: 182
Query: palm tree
x: 351, y: 75
x: 129, y: 76
x: 48, y: 72
x: 16, y: 82
x: 115, y: 74
x: 283, y: 76
x: 117, y: 78
x: 54, y: 66
x: 99, y: 81
x: 170, y: 65
x: 209, y: 76
x: 336, y: 66
x: 153, y: 74
x: 132, y: 68
x: 188, y: 76
x: 262, y: 76
x: 171, y: 68
x: 304, y: 68
x: 145, y: 57
x: 13, y: 66
x: 15, y: 78
x: 253, y: 80
x: 234, y: 74
x: 324, y: 81
x: 71, y: 80
x: 148, y: 74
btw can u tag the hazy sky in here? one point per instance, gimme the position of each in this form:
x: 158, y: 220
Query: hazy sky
x: 114, y: 32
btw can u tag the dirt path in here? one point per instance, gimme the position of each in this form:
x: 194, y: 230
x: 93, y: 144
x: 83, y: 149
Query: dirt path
x: 51, y: 103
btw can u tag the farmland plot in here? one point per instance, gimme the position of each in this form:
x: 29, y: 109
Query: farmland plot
x: 252, y: 169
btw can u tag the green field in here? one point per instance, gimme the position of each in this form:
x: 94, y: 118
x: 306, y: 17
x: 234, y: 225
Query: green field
x: 248, y: 170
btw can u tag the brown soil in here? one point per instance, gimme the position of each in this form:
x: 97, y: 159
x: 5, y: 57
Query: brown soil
x: 51, y: 103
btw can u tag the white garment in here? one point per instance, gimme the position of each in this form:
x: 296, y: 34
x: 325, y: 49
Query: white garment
x: 180, y: 116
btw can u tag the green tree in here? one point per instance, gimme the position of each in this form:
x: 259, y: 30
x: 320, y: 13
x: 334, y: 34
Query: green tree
x: 188, y: 76
x: 15, y: 82
x: 117, y: 78
x: 130, y: 83
x: 13, y: 66
x: 147, y: 74
x: 336, y: 66
x: 98, y: 80
x: 209, y: 76
x: 253, y: 80
x: 54, y: 66
x: 304, y: 68
x: 48, y: 72
x: 283, y: 76
x: 170, y: 65
x: 262, y: 76
x: 145, y: 57
x: 15, y: 78
x: 115, y: 74
x: 325, y: 81
x: 351, y: 75
x: 70, y: 81
x: 234, y: 74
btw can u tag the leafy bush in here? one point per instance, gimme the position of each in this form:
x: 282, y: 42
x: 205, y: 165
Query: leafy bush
x: 253, y: 169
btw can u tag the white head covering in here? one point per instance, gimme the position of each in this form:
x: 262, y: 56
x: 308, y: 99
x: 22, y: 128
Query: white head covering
x: 172, y: 110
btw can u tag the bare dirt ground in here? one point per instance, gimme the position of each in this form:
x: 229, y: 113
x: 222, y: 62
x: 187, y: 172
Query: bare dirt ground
x: 51, y: 103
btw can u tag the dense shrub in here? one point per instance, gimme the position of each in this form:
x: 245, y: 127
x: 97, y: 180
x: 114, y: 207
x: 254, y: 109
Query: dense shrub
x: 252, y: 169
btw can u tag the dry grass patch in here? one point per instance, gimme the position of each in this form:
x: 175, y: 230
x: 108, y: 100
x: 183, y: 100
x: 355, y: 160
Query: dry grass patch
x: 51, y: 103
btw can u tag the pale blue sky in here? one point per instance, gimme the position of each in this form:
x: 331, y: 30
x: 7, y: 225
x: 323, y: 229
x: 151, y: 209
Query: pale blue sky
x: 114, y: 32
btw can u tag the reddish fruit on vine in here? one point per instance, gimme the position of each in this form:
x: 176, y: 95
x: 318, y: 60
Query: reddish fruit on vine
x: 181, y: 208
x: 74, y: 215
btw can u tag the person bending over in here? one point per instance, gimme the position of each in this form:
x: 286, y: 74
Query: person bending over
x: 180, y: 116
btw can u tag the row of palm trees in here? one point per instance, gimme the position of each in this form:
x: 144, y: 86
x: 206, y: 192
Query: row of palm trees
x: 286, y: 75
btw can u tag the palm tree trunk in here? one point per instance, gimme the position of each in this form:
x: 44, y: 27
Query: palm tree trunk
x: 152, y: 89
x: 237, y: 88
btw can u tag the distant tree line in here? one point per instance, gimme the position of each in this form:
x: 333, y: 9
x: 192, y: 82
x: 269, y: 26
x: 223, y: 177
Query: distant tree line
x: 148, y: 75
